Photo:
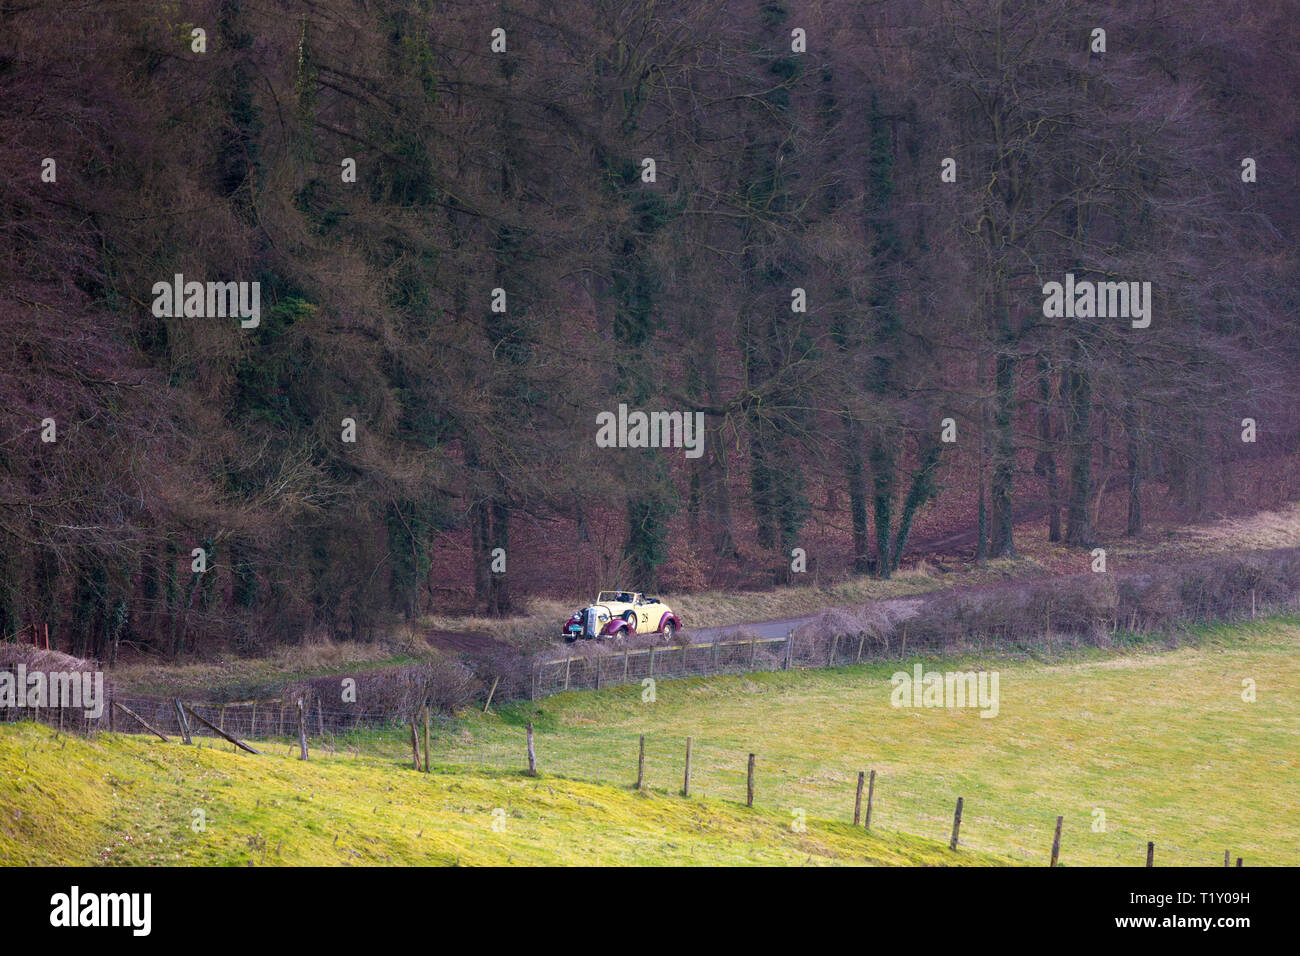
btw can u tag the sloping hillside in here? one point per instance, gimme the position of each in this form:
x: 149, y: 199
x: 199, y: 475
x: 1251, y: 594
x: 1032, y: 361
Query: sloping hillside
x: 120, y: 800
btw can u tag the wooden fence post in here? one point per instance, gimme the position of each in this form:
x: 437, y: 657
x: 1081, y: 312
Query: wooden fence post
x: 652, y: 662
x: 131, y: 713
x: 1227, y: 858
x: 862, y: 638
x: 956, y: 825
x: 532, y: 753
x: 834, y: 651
x: 640, y: 765
x: 302, y: 730
x: 181, y: 721
x: 1239, y: 861
x: 871, y: 793
x: 568, y: 662
x: 1056, y: 842
x: 789, y: 649
x: 426, y: 736
x: 857, y: 800
x: 234, y: 740
x: 686, y: 781
x: 625, y: 667
x: 1151, y: 853
x: 415, y: 747
x: 320, y: 716
x: 753, y: 651
x: 749, y: 784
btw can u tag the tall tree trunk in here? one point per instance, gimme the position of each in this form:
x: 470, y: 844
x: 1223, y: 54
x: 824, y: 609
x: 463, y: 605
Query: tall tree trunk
x: 981, y: 471
x: 1001, y: 543
x: 884, y: 474
x: 716, y: 486
x: 855, y: 473
x: 1078, y: 427
x: 1046, y: 463
x: 1134, y: 453
x: 717, y: 495
x: 499, y: 582
x: 922, y: 490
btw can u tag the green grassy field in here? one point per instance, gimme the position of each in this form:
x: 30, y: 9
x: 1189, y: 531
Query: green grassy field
x: 123, y: 800
x: 1160, y: 742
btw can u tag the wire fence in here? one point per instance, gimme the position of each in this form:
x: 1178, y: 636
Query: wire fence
x: 597, y: 670
x: 897, y: 798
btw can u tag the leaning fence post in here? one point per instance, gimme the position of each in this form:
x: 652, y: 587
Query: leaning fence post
x: 302, y: 729
x: 181, y: 721
x: 749, y: 784
x: 857, y: 800
x: 415, y: 747
x: 686, y: 781
x: 131, y: 713
x: 956, y: 825
x: 871, y: 793
x: 426, y: 736
x: 532, y: 753
x: 1151, y: 853
x: 234, y: 740
x: 1056, y: 842
x: 640, y: 765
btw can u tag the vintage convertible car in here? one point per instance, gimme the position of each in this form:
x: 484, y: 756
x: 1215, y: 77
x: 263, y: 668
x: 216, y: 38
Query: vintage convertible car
x: 620, y: 613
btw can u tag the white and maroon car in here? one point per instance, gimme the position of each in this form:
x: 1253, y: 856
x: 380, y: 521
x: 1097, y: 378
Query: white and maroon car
x: 622, y: 613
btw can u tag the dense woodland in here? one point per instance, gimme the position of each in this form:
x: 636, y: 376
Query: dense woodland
x: 797, y: 145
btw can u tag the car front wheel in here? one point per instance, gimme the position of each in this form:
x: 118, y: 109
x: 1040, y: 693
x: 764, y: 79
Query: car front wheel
x: 669, y: 630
